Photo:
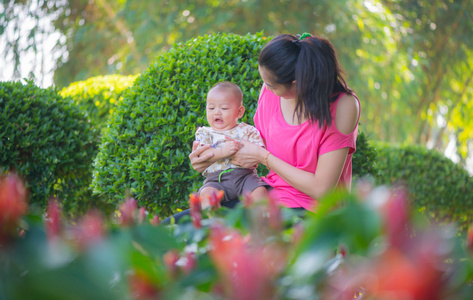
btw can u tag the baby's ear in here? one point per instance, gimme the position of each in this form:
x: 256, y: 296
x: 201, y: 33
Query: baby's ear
x: 241, y: 111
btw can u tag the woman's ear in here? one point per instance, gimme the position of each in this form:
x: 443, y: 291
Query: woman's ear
x: 293, y: 87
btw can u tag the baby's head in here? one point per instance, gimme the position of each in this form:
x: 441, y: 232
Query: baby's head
x: 224, y: 106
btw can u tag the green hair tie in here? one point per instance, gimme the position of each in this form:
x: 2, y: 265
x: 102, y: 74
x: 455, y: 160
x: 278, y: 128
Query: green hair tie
x: 305, y: 35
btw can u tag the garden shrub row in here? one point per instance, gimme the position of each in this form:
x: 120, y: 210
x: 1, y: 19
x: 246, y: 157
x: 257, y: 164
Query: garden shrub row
x: 438, y: 186
x: 144, y: 150
x: 49, y: 142
x: 98, y: 95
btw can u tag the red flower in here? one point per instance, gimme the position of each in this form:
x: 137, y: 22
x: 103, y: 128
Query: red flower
x: 407, y: 277
x: 275, y: 218
x: 215, y: 199
x: 53, y: 220
x: 247, y: 200
x: 416, y: 271
x: 12, y: 204
x: 155, y: 220
x: 196, y: 219
x: 89, y: 231
x: 141, y: 215
x: 194, y: 202
x: 245, y: 273
x: 342, y: 249
x: 195, y: 210
x: 469, y: 239
x: 396, y: 216
x: 170, y: 259
x: 141, y: 286
x: 128, y: 211
x: 189, y: 263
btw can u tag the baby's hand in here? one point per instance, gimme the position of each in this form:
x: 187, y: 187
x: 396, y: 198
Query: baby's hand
x: 230, y: 147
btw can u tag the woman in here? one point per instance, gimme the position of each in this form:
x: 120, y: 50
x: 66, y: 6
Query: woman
x: 308, y: 118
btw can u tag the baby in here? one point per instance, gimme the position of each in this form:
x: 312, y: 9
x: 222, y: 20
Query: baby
x: 224, y: 108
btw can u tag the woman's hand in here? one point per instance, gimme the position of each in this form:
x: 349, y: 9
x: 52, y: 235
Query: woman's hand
x: 249, y: 155
x: 200, y: 162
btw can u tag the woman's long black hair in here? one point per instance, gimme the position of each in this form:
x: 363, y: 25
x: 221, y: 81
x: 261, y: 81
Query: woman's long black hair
x: 313, y: 64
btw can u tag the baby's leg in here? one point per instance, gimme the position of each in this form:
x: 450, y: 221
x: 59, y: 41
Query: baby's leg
x: 259, y: 193
x: 205, y: 195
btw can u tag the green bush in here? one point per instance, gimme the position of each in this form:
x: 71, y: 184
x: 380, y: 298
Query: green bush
x: 145, y: 148
x: 364, y: 159
x: 48, y: 141
x: 438, y: 186
x: 98, y: 95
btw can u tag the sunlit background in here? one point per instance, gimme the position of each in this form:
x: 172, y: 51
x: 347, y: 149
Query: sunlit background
x: 410, y: 62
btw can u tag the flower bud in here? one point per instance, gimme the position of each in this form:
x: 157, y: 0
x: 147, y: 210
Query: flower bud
x: 90, y: 230
x: 53, y: 220
x: 155, y: 220
x: 12, y: 204
x: 195, y: 210
x: 170, y: 259
x: 127, y: 212
x: 469, y: 239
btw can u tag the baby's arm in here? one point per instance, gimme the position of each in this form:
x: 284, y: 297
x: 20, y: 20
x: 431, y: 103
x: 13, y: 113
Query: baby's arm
x: 229, y: 148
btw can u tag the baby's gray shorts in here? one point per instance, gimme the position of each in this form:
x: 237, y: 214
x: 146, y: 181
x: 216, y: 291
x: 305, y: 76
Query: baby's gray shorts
x: 234, y: 183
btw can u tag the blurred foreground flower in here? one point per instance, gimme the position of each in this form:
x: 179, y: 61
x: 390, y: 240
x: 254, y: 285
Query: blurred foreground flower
x: 396, y: 215
x: 142, y: 213
x: 195, y: 210
x: 246, y: 272
x: 469, y: 239
x: 142, y: 287
x: 155, y: 220
x: 170, y: 259
x: 127, y: 212
x: 410, y: 266
x: 53, y: 220
x: 275, y: 218
x: 89, y: 231
x: 12, y: 205
x: 189, y: 263
x: 246, y: 199
x: 215, y: 199
x: 177, y: 264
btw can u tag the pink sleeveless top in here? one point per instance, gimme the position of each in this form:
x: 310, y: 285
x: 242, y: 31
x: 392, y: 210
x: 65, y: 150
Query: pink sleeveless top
x: 300, y: 146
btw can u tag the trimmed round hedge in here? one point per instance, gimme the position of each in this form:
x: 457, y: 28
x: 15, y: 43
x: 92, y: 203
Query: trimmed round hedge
x: 145, y: 148
x: 98, y: 95
x: 364, y: 158
x: 436, y: 185
x: 48, y: 141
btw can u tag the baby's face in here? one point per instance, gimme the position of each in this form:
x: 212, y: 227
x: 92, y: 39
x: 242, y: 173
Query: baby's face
x: 223, y: 109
